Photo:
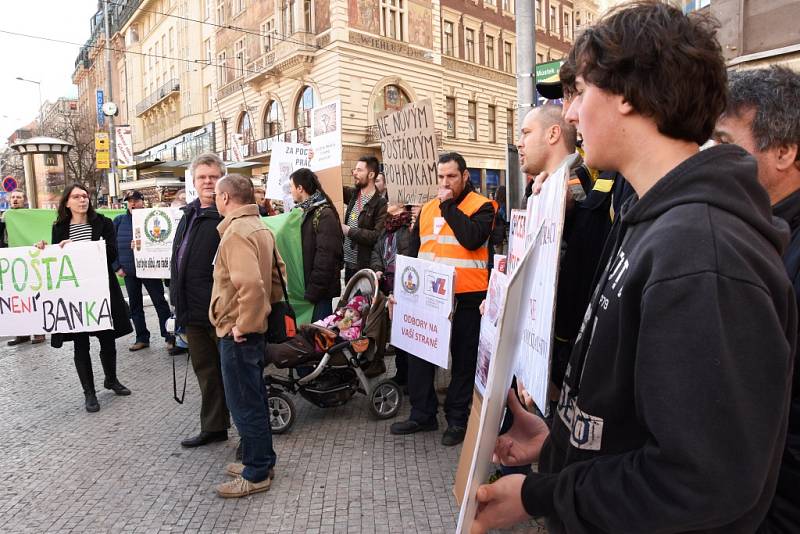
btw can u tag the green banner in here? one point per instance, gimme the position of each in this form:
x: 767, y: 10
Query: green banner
x: 28, y: 226
x: 286, y: 228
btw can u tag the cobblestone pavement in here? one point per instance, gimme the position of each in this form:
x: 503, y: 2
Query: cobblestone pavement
x: 123, y: 469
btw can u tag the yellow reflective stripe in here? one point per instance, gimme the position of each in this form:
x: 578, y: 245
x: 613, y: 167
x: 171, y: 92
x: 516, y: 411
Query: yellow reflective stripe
x: 462, y: 263
x: 603, y: 185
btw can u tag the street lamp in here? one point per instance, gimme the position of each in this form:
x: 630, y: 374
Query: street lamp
x: 39, y: 85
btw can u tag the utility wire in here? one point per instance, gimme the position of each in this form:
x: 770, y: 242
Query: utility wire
x: 275, y: 33
x: 159, y: 56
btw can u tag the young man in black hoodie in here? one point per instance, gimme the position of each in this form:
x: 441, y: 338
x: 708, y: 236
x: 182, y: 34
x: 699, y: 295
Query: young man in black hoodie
x: 672, y: 415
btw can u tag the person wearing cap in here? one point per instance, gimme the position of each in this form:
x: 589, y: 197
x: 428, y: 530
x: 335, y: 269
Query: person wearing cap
x: 125, y: 266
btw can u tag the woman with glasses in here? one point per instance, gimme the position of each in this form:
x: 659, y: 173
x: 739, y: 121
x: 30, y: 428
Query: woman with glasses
x: 78, y: 221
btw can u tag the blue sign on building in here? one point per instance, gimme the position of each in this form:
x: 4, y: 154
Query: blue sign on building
x: 101, y: 118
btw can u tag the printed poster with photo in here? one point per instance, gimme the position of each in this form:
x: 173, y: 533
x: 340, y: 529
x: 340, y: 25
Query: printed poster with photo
x: 286, y: 158
x: 153, y: 233
x: 487, y: 344
x: 422, y: 316
x: 326, y: 136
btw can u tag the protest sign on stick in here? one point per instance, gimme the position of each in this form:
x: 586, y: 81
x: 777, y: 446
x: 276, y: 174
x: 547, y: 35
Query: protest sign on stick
x: 408, y: 147
x: 153, y: 233
x: 286, y: 158
x: 518, y: 226
x: 326, y: 138
x: 55, y: 290
x: 422, y: 316
x: 487, y: 344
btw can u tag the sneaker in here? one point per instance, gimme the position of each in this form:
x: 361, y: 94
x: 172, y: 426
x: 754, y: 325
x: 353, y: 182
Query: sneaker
x: 410, y: 427
x: 453, y: 435
x: 234, y: 469
x: 139, y: 345
x: 241, y: 487
x: 18, y: 340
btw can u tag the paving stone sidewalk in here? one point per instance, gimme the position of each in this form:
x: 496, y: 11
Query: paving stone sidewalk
x: 123, y: 469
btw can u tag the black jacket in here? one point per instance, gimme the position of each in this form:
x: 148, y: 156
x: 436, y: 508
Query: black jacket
x: 322, y: 239
x: 784, y: 514
x: 191, y: 281
x: 370, y: 225
x: 673, y: 411
x: 470, y: 232
x: 586, y: 230
x: 102, y: 228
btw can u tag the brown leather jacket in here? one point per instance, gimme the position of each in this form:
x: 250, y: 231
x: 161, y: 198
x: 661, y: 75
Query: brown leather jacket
x: 245, y: 277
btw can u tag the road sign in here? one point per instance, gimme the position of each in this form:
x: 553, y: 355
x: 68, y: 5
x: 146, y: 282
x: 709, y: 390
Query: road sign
x: 103, y: 159
x: 101, y: 141
x: 10, y: 184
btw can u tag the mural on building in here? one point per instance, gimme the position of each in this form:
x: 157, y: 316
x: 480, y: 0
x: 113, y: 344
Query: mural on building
x: 420, y: 23
x: 322, y: 15
x: 363, y: 14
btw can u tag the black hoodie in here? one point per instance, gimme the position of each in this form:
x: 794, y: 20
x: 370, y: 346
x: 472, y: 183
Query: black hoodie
x: 673, y: 412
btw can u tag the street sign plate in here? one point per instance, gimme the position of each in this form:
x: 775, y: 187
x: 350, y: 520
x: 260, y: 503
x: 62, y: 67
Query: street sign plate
x: 10, y: 184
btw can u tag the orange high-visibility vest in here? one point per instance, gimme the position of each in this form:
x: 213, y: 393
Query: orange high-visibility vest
x: 471, y: 265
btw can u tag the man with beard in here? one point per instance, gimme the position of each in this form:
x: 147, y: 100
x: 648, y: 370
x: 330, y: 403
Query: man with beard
x: 364, y: 217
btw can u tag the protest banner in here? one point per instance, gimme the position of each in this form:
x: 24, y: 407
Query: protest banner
x: 487, y: 344
x: 546, y: 224
x: 153, y: 233
x: 326, y: 136
x: 286, y: 229
x: 408, y: 147
x: 28, y: 226
x: 286, y: 158
x: 422, y: 316
x: 518, y: 225
x: 191, y: 191
x: 501, y: 372
x: 58, y: 289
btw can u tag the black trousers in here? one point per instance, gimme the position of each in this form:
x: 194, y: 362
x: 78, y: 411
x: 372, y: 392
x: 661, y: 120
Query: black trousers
x: 464, y: 354
x: 83, y: 360
x: 204, y: 353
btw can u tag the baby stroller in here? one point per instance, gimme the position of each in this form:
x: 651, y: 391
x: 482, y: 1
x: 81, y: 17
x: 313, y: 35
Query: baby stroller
x: 327, y: 366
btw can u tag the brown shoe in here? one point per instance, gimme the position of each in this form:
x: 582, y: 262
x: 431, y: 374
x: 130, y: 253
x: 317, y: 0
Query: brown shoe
x: 37, y: 339
x: 139, y: 345
x: 241, y: 487
x: 234, y: 469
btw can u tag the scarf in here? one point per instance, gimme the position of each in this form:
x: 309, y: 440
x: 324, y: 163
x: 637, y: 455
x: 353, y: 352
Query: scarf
x: 311, y: 201
x: 397, y: 221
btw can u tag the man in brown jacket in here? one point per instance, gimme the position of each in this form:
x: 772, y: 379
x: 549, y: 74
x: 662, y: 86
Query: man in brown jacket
x: 244, y: 269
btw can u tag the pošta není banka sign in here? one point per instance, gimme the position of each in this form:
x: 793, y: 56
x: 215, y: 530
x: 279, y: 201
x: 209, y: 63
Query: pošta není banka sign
x: 54, y: 290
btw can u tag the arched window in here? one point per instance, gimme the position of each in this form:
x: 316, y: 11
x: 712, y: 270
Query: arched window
x: 302, y: 111
x: 273, y: 119
x: 245, y: 128
x: 391, y: 98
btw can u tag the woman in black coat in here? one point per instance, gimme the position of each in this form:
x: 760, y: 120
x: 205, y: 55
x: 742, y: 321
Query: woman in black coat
x: 78, y: 221
x: 322, y: 240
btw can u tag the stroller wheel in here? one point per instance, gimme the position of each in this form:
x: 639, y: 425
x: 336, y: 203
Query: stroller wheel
x: 281, y: 412
x: 385, y: 399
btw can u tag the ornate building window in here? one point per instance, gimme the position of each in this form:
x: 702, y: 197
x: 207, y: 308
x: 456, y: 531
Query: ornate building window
x: 302, y: 112
x: 393, y: 19
x: 273, y: 119
x: 450, y: 110
x: 391, y: 98
x: 245, y: 128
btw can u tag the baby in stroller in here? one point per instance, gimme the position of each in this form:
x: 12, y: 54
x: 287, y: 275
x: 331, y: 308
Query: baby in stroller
x: 327, y: 360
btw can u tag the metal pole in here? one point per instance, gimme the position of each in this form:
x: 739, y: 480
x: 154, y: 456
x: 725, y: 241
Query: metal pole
x: 526, y: 80
x: 112, y: 176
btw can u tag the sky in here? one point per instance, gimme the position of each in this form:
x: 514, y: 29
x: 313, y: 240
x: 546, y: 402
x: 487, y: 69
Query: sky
x: 49, y: 63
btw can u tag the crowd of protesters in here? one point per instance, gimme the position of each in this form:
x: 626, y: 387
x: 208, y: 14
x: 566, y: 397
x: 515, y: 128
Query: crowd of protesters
x: 675, y: 398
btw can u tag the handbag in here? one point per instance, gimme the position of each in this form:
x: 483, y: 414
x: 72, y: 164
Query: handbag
x: 282, y: 321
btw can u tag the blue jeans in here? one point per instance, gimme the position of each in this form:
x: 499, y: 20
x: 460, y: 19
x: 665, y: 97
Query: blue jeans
x: 246, y: 395
x: 155, y: 288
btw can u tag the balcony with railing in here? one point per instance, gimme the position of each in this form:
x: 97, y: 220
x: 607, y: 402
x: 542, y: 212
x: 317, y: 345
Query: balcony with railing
x: 168, y: 88
x: 262, y: 147
x: 300, y: 46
